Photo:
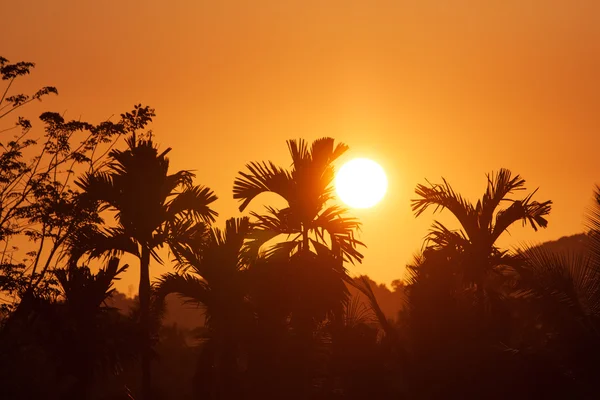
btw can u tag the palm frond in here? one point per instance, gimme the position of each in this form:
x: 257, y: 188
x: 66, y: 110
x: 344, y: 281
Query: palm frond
x: 298, y: 149
x: 109, y: 274
x: 592, y: 222
x: 220, y: 256
x: 234, y: 239
x: 335, y: 213
x: 84, y: 289
x: 348, y: 247
x: 412, y: 269
x: 499, y: 186
x: 189, y: 287
x: 443, y: 196
x: 180, y: 178
x: 140, y: 158
x: 282, y: 250
x: 341, y: 231
x: 323, y: 151
x: 193, y: 202
x: 224, y: 252
x: 268, y: 226
x: 98, y: 243
x: 97, y: 187
x: 525, y: 210
x: 257, y: 238
x: 363, y: 285
x: 282, y: 220
x: 260, y: 178
x: 183, y: 233
x: 440, y: 237
x: 572, y: 280
x: 357, y: 313
x: 113, y: 241
x: 236, y: 230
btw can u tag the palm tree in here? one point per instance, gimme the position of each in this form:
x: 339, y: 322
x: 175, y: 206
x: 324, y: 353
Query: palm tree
x: 319, y: 238
x: 63, y: 344
x: 566, y: 289
x: 482, y: 224
x: 361, y: 365
x: 307, y: 188
x: 90, y: 336
x: 213, y: 276
x: 151, y: 208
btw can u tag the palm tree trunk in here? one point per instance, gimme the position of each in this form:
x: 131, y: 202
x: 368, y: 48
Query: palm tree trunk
x: 144, y: 293
x: 305, y: 239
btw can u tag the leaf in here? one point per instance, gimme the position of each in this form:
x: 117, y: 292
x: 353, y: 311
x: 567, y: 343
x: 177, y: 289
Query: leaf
x: 260, y: 178
x: 193, y: 202
x: 192, y: 289
x: 443, y: 196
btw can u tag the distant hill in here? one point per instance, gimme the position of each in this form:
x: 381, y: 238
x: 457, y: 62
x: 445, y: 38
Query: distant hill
x: 570, y: 244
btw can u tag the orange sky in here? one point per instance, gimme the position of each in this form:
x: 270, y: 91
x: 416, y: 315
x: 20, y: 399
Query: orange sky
x: 426, y: 88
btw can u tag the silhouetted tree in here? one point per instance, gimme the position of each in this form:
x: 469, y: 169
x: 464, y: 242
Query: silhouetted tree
x: 307, y: 189
x: 565, y: 288
x: 92, y: 341
x: 214, y: 276
x: 152, y: 208
x: 460, y: 315
x: 359, y: 363
x: 311, y: 225
x: 10, y: 72
x: 319, y: 237
x: 481, y: 225
x: 37, y: 202
x: 77, y: 337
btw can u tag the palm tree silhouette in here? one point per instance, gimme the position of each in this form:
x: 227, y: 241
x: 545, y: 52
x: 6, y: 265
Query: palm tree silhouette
x: 309, y: 261
x: 213, y: 276
x: 151, y: 207
x: 482, y: 224
x: 307, y: 188
x: 91, y: 337
x: 566, y: 288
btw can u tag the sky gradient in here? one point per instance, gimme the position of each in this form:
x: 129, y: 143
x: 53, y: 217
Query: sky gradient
x: 425, y: 88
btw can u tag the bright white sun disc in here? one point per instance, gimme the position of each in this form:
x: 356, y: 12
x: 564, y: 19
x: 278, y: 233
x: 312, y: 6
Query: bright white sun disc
x: 361, y: 183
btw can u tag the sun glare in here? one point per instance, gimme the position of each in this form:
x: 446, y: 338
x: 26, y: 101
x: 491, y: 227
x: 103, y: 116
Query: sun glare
x: 361, y: 183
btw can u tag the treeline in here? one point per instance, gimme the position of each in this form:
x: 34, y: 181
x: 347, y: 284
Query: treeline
x: 188, y: 317
x: 281, y: 317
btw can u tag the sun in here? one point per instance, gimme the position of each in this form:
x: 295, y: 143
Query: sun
x: 361, y: 183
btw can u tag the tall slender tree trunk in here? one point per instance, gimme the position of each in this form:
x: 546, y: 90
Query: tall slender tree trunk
x: 305, y: 239
x: 144, y: 293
